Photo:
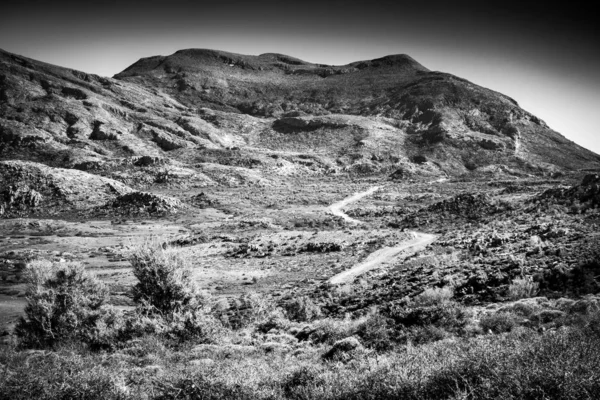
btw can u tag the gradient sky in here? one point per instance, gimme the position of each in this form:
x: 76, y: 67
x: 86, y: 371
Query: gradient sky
x: 546, y: 57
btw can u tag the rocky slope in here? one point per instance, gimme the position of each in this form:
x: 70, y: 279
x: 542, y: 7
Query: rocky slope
x: 33, y: 188
x: 428, y: 115
x: 202, y: 117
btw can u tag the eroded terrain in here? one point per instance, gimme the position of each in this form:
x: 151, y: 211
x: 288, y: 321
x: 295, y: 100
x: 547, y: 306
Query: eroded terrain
x: 285, y: 240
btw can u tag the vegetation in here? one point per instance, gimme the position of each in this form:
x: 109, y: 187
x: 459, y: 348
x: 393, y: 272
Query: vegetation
x: 427, y: 347
x: 64, y: 304
x: 521, y: 364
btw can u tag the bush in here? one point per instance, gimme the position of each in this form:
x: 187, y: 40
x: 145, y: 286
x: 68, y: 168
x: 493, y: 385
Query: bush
x: 251, y: 308
x: 425, y: 334
x: 554, y: 365
x: 169, y: 302
x: 522, y: 288
x: 165, y: 282
x: 302, y: 309
x: 498, y: 322
x: 330, y: 330
x: 377, y: 332
x: 64, y: 303
x: 295, y: 385
x: 274, y: 320
x: 432, y: 296
x: 344, y: 349
x: 580, y: 280
x: 450, y: 316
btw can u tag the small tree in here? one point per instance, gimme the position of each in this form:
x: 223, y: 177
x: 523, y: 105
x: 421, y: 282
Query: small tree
x: 302, y: 309
x: 522, y: 288
x: 165, y: 284
x: 168, y: 299
x: 64, y: 303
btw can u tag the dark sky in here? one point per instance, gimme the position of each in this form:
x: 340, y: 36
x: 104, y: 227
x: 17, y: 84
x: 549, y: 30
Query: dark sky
x: 547, y: 57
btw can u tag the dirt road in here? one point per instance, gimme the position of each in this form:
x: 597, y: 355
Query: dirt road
x: 418, y: 242
x: 336, y: 208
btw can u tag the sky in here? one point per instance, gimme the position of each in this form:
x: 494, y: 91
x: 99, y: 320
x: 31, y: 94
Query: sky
x: 547, y: 57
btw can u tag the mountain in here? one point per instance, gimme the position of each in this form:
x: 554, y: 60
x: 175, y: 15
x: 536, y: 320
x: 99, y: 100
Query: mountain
x: 204, y: 117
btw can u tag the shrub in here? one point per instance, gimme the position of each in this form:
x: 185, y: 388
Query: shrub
x: 64, y: 303
x: 498, y: 322
x: 432, y: 296
x: 522, y: 308
x: 425, y: 334
x: 554, y: 365
x: 522, y: 288
x: 344, y: 349
x: 579, y: 280
x: 450, y: 316
x: 274, y: 320
x: 301, y: 378
x: 251, y: 308
x: 302, y: 309
x: 377, y: 332
x: 546, y: 316
x: 165, y: 282
x: 169, y: 302
x: 330, y: 330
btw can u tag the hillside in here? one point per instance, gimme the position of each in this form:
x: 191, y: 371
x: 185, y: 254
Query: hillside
x: 210, y: 118
x: 212, y: 225
x: 447, y: 119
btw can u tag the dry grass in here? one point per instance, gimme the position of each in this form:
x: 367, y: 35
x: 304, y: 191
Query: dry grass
x: 521, y: 364
x: 522, y: 288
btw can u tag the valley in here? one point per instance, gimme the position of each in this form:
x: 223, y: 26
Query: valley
x: 261, y: 227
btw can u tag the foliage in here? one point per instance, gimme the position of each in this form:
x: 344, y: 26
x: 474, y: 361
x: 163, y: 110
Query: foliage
x: 64, y: 303
x: 563, y: 364
x: 522, y: 288
x: 431, y: 296
x: 249, y: 309
x: 450, y: 316
x: 169, y: 302
x: 580, y: 280
x: 302, y: 309
x: 165, y: 284
x: 498, y: 322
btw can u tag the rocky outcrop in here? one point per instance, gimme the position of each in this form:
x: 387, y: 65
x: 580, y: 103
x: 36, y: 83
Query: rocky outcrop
x: 31, y: 188
x: 365, y: 118
x: 143, y: 203
x: 579, y: 197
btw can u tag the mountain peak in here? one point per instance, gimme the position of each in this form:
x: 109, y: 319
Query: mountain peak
x: 390, y: 110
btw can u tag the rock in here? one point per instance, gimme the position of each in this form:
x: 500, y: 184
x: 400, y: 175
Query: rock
x: 202, y: 362
x: 166, y: 141
x: 221, y: 305
x: 36, y: 188
x: 586, y: 306
x: 155, y: 369
x: 102, y: 132
x: 344, y: 349
x: 399, y: 174
x: 490, y: 144
x: 146, y: 203
x: 590, y: 179
x: 271, y: 347
x: 546, y: 316
x: 536, y: 241
x: 75, y: 93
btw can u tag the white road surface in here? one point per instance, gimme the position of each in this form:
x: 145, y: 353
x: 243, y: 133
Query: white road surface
x: 376, y: 259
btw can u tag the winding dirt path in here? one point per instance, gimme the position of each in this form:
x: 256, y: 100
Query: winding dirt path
x: 336, y: 208
x: 418, y: 242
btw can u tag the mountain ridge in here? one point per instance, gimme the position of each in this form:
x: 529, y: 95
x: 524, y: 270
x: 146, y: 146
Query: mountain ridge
x: 212, y: 118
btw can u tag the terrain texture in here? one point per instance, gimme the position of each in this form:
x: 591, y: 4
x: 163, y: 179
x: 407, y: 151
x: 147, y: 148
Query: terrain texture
x: 373, y: 230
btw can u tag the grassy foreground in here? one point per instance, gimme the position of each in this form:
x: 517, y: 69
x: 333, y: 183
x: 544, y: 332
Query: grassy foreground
x: 553, y: 365
x: 177, y: 344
